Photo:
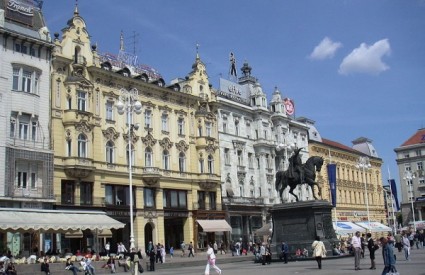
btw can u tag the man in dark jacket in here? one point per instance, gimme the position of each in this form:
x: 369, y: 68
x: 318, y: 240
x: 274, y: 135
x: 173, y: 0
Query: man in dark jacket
x: 371, y: 246
x: 285, y: 252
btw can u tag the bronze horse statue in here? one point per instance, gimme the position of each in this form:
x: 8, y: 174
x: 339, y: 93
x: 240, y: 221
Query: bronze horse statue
x: 310, y: 167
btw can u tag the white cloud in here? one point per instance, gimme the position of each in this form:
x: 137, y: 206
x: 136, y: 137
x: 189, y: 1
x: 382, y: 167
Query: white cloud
x: 366, y: 59
x: 326, y: 49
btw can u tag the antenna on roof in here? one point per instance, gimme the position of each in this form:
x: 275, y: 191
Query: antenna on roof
x: 134, y: 41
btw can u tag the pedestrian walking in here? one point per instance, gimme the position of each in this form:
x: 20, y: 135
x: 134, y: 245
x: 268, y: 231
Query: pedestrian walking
x: 319, y: 251
x: 211, y: 261
x: 388, y: 256
x: 171, y: 252
x: 356, y: 244
x: 215, y: 247
x: 182, y: 247
x: 107, y: 248
x: 285, y: 251
x: 263, y: 254
x: 372, y: 247
x: 191, y: 250
x: 406, y: 245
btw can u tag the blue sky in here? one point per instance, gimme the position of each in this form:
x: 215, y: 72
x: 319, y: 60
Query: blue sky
x: 356, y: 67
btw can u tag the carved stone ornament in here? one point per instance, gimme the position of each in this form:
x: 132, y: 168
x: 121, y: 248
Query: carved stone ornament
x: 134, y: 137
x: 68, y: 135
x: 83, y: 126
x: 210, y: 148
x: 166, y: 143
x: 270, y: 178
x: 207, y: 185
x: 110, y: 134
x: 182, y: 146
x: 241, y: 178
x: 239, y: 145
x: 228, y: 179
x: 149, y: 141
x: 251, y: 181
x: 150, y: 215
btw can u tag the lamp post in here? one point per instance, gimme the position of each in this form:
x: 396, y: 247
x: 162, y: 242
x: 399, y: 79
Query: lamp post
x: 128, y: 103
x: 408, y: 177
x: 364, y: 164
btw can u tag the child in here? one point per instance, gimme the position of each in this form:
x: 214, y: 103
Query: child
x: 171, y: 252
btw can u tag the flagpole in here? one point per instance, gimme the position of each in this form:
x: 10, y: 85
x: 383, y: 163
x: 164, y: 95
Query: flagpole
x: 392, y: 202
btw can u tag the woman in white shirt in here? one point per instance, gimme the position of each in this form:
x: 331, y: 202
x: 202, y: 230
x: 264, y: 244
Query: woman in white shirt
x: 319, y: 251
x: 211, y: 261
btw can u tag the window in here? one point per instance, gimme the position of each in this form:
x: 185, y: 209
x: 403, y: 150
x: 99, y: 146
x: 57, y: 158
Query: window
x: 164, y: 122
x: 25, y: 79
x: 406, y: 156
x: 109, y: 110
x: 148, y: 119
x: 240, y: 158
x: 22, y: 179
x: 213, y: 201
x: 227, y: 156
x: 268, y: 161
x: 175, y: 199
x: 208, y: 129
x: 69, y: 147
x: 418, y: 153
x: 86, y: 193
x: 224, y: 126
x: 130, y: 153
x: 82, y: 101
x: 210, y: 164
x: 237, y: 128
x: 265, y: 134
x: 23, y: 128
x: 82, y: 146
x: 166, y: 160
x: 201, y: 199
x: 407, y: 167
x: 149, y: 197
x: 258, y: 163
x: 200, y: 131
x: 248, y: 130
x: 420, y: 166
x: 110, y: 152
x: 182, y: 162
x: 180, y: 126
x: 241, y: 190
x: 201, y: 166
x: 148, y: 157
x: 118, y: 195
x: 34, y: 126
x: 67, y: 192
x: 250, y: 160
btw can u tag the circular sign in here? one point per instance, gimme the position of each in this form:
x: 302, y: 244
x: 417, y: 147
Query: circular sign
x: 289, y: 106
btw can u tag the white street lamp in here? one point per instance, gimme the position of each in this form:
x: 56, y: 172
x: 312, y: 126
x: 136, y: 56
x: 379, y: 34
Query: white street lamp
x: 128, y: 103
x: 408, y: 177
x: 364, y: 164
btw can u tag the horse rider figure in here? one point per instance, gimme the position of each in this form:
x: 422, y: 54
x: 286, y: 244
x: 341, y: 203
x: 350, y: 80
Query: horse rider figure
x: 296, y: 165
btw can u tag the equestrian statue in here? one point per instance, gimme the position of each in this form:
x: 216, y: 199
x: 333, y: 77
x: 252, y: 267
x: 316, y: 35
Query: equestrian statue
x: 299, y: 173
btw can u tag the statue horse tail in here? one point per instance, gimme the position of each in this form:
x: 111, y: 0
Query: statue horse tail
x: 279, y: 175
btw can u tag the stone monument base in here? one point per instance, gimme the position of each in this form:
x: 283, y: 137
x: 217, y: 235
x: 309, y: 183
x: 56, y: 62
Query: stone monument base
x: 299, y: 223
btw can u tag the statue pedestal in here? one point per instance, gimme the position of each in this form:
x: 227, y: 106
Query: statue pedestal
x: 299, y: 223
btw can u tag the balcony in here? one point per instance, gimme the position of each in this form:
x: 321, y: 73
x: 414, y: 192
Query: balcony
x: 70, y: 117
x: 151, y: 175
x: 76, y: 167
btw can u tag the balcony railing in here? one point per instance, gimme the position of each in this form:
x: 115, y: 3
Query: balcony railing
x: 243, y: 200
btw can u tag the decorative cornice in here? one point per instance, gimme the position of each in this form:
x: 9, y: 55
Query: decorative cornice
x: 134, y: 137
x: 83, y: 127
x: 110, y: 133
x: 239, y: 145
x: 182, y: 146
x: 166, y: 143
x: 149, y: 140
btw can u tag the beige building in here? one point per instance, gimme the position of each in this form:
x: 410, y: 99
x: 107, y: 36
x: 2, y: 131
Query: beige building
x: 174, y: 153
x: 352, y: 204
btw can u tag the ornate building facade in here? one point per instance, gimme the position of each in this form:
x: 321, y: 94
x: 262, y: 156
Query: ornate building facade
x: 250, y: 131
x: 410, y: 161
x: 352, y: 182
x: 26, y: 157
x: 174, y: 153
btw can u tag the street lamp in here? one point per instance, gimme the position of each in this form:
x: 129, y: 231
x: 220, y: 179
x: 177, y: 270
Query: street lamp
x: 408, y: 176
x: 128, y: 103
x: 364, y: 164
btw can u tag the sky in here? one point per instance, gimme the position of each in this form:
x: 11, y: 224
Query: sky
x: 355, y: 67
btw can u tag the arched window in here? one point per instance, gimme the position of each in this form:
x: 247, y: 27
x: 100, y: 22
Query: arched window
x: 110, y: 152
x: 166, y: 160
x: 82, y: 146
x: 182, y: 162
x: 148, y: 157
x: 130, y: 154
x: 210, y: 164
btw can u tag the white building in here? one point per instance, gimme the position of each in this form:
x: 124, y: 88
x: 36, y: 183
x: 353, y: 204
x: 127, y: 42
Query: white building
x: 250, y: 131
x: 26, y: 158
x: 410, y: 162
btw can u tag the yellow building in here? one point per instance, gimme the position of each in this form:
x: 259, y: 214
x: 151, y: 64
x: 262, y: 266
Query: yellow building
x: 352, y: 182
x: 174, y: 153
